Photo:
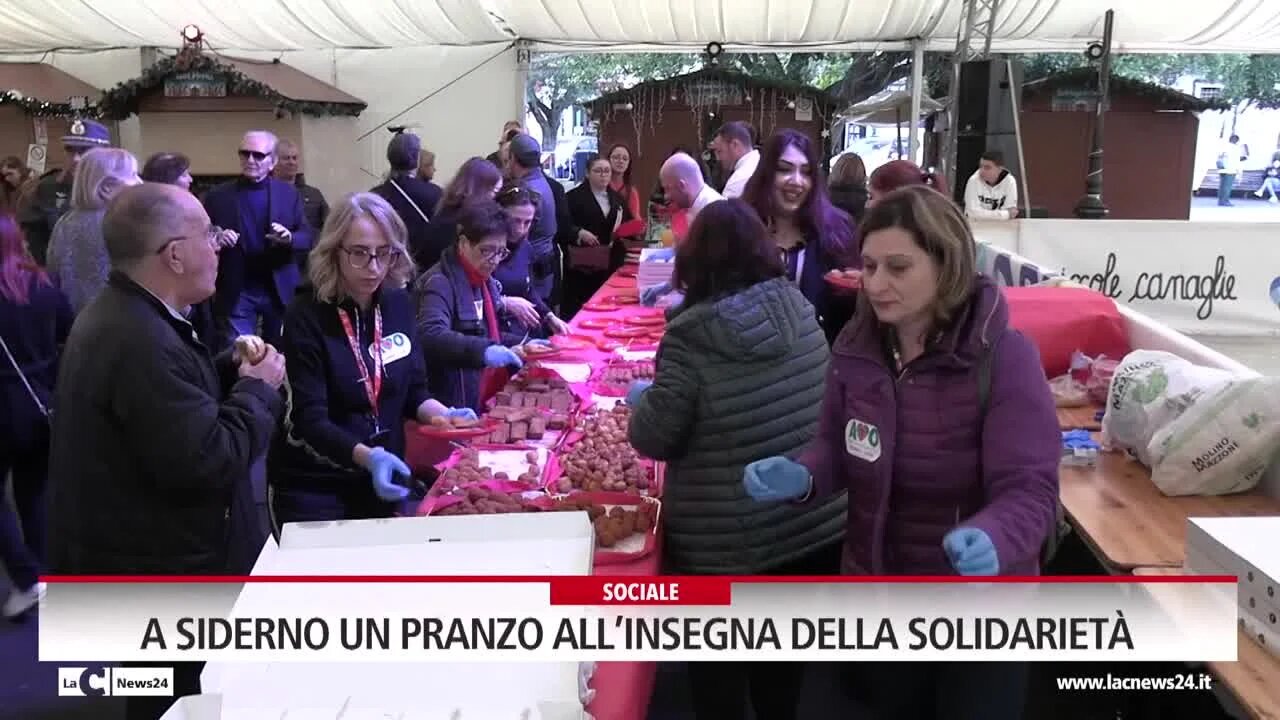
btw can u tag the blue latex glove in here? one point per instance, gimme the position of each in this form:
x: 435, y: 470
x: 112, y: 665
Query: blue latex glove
x: 651, y: 296
x: 464, y: 413
x: 776, y: 478
x: 496, y: 356
x: 663, y: 254
x: 384, y: 466
x: 636, y: 390
x: 971, y: 552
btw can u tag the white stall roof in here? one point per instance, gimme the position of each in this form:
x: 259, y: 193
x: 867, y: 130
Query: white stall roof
x: 1023, y: 25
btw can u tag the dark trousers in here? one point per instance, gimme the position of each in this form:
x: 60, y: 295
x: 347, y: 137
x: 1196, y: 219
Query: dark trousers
x: 290, y: 505
x: 22, y: 527
x: 721, y: 690
x: 186, y: 681
x: 941, y: 691
x: 256, y: 312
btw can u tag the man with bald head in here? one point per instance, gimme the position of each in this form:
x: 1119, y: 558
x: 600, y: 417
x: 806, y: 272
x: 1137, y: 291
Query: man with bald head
x: 684, y: 186
x: 147, y: 448
x: 257, y: 273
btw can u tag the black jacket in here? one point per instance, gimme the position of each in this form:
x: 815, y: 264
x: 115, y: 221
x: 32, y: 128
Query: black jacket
x: 147, y: 449
x: 417, y: 214
x: 515, y: 279
x: 851, y: 199
x: 453, y: 335
x: 328, y: 411
x: 587, y: 215
x: 35, y: 334
x: 441, y: 233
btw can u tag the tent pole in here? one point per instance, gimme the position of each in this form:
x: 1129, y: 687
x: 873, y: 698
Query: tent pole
x: 917, y: 91
x: 524, y: 57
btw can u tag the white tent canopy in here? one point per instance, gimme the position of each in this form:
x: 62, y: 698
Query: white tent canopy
x: 276, y: 25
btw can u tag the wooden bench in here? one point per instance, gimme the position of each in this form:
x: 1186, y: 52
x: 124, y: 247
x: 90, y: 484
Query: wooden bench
x: 1124, y: 518
x: 1253, y: 680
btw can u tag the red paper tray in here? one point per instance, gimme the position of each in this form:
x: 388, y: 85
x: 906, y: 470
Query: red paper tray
x: 553, y: 472
x: 609, y: 556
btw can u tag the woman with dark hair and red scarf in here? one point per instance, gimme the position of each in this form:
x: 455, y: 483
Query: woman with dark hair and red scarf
x: 458, y: 305
x: 813, y: 236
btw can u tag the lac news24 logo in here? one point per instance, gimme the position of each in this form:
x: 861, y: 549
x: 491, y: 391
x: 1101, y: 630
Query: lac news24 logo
x: 100, y: 681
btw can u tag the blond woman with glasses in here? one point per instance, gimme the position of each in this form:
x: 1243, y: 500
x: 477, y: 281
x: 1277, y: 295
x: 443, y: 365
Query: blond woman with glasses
x: 356, y: 374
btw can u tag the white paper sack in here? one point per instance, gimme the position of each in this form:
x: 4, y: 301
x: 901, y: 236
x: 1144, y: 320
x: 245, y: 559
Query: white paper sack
x: 1222, y: 444
x: 1149, y: 390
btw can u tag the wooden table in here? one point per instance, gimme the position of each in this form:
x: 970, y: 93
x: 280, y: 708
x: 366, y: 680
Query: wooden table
x: 1129, y: 523
x: 1253, y: 679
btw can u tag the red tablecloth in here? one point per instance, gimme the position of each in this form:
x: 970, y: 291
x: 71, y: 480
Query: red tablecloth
x: 622, y: 688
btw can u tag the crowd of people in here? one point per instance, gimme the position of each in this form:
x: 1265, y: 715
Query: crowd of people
x: 184, y: 375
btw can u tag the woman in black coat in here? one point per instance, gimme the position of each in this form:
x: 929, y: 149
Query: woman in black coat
x: 459, y: 309
x: 597, y: 210
x: 35, y: 319
x: 355, y: 374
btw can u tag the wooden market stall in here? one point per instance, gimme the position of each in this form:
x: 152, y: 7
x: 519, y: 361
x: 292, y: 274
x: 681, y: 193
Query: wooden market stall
x: 655, y: 117
x: 200, y: 104
x: 37, y: 104
x: 1148, y: 154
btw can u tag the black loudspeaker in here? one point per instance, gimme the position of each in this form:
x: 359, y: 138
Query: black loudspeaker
x: 985, y: 117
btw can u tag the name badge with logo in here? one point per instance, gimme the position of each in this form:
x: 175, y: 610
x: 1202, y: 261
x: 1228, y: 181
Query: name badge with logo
x: 480, y: 309
x: 862, y: 440
x: 394, y: 347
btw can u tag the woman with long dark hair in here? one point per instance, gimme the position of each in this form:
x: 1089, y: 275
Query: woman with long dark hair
x: 477, y: 179
x: 16, y: 184
x: 813, y: 236
x: 35, y: 319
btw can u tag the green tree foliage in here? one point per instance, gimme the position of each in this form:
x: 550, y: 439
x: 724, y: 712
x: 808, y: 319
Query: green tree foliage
x: 1245, y: 79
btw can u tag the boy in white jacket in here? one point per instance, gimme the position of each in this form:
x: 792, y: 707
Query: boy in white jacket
x: 992, y: 191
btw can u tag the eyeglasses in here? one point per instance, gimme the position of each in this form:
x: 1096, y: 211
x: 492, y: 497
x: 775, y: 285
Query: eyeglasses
x: 494, y: 255
x: 360, y: 257
x: 601, y: 171
x: 255, y: 154
x: 210, y: 236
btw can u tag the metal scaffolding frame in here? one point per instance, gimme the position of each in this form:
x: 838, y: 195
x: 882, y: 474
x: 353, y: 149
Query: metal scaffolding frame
x: 973, y: 42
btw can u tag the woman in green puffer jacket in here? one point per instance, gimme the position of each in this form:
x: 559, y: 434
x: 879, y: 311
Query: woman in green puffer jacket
x: 740, y: 375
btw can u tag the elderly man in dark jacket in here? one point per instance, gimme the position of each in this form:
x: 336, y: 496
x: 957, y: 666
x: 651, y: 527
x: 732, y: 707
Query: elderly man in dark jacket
x: 413, y: 198
x: 257, y: 272
x: 148, y: 448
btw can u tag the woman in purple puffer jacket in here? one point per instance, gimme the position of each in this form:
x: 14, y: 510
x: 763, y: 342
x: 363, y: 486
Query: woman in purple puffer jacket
x: 938, y: 420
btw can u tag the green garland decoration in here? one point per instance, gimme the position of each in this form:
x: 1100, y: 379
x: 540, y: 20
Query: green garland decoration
x: 122, y: 101
x: 42, y: 108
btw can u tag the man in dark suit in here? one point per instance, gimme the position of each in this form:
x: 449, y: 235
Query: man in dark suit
x: 257, y: 275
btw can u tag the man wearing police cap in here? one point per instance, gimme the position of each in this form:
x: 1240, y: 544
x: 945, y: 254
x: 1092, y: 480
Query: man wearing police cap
x: 53, y: 195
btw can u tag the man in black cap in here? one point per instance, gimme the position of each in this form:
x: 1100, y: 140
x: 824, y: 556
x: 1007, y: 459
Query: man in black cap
x: 413, y: 198
x: 52, y: 196
x: 524, y: 165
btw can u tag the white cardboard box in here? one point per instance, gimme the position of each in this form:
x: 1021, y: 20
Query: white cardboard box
x: 515, y: 544
x: 1243, y: 547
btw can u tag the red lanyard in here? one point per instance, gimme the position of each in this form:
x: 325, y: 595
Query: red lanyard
x: 372, y: 385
